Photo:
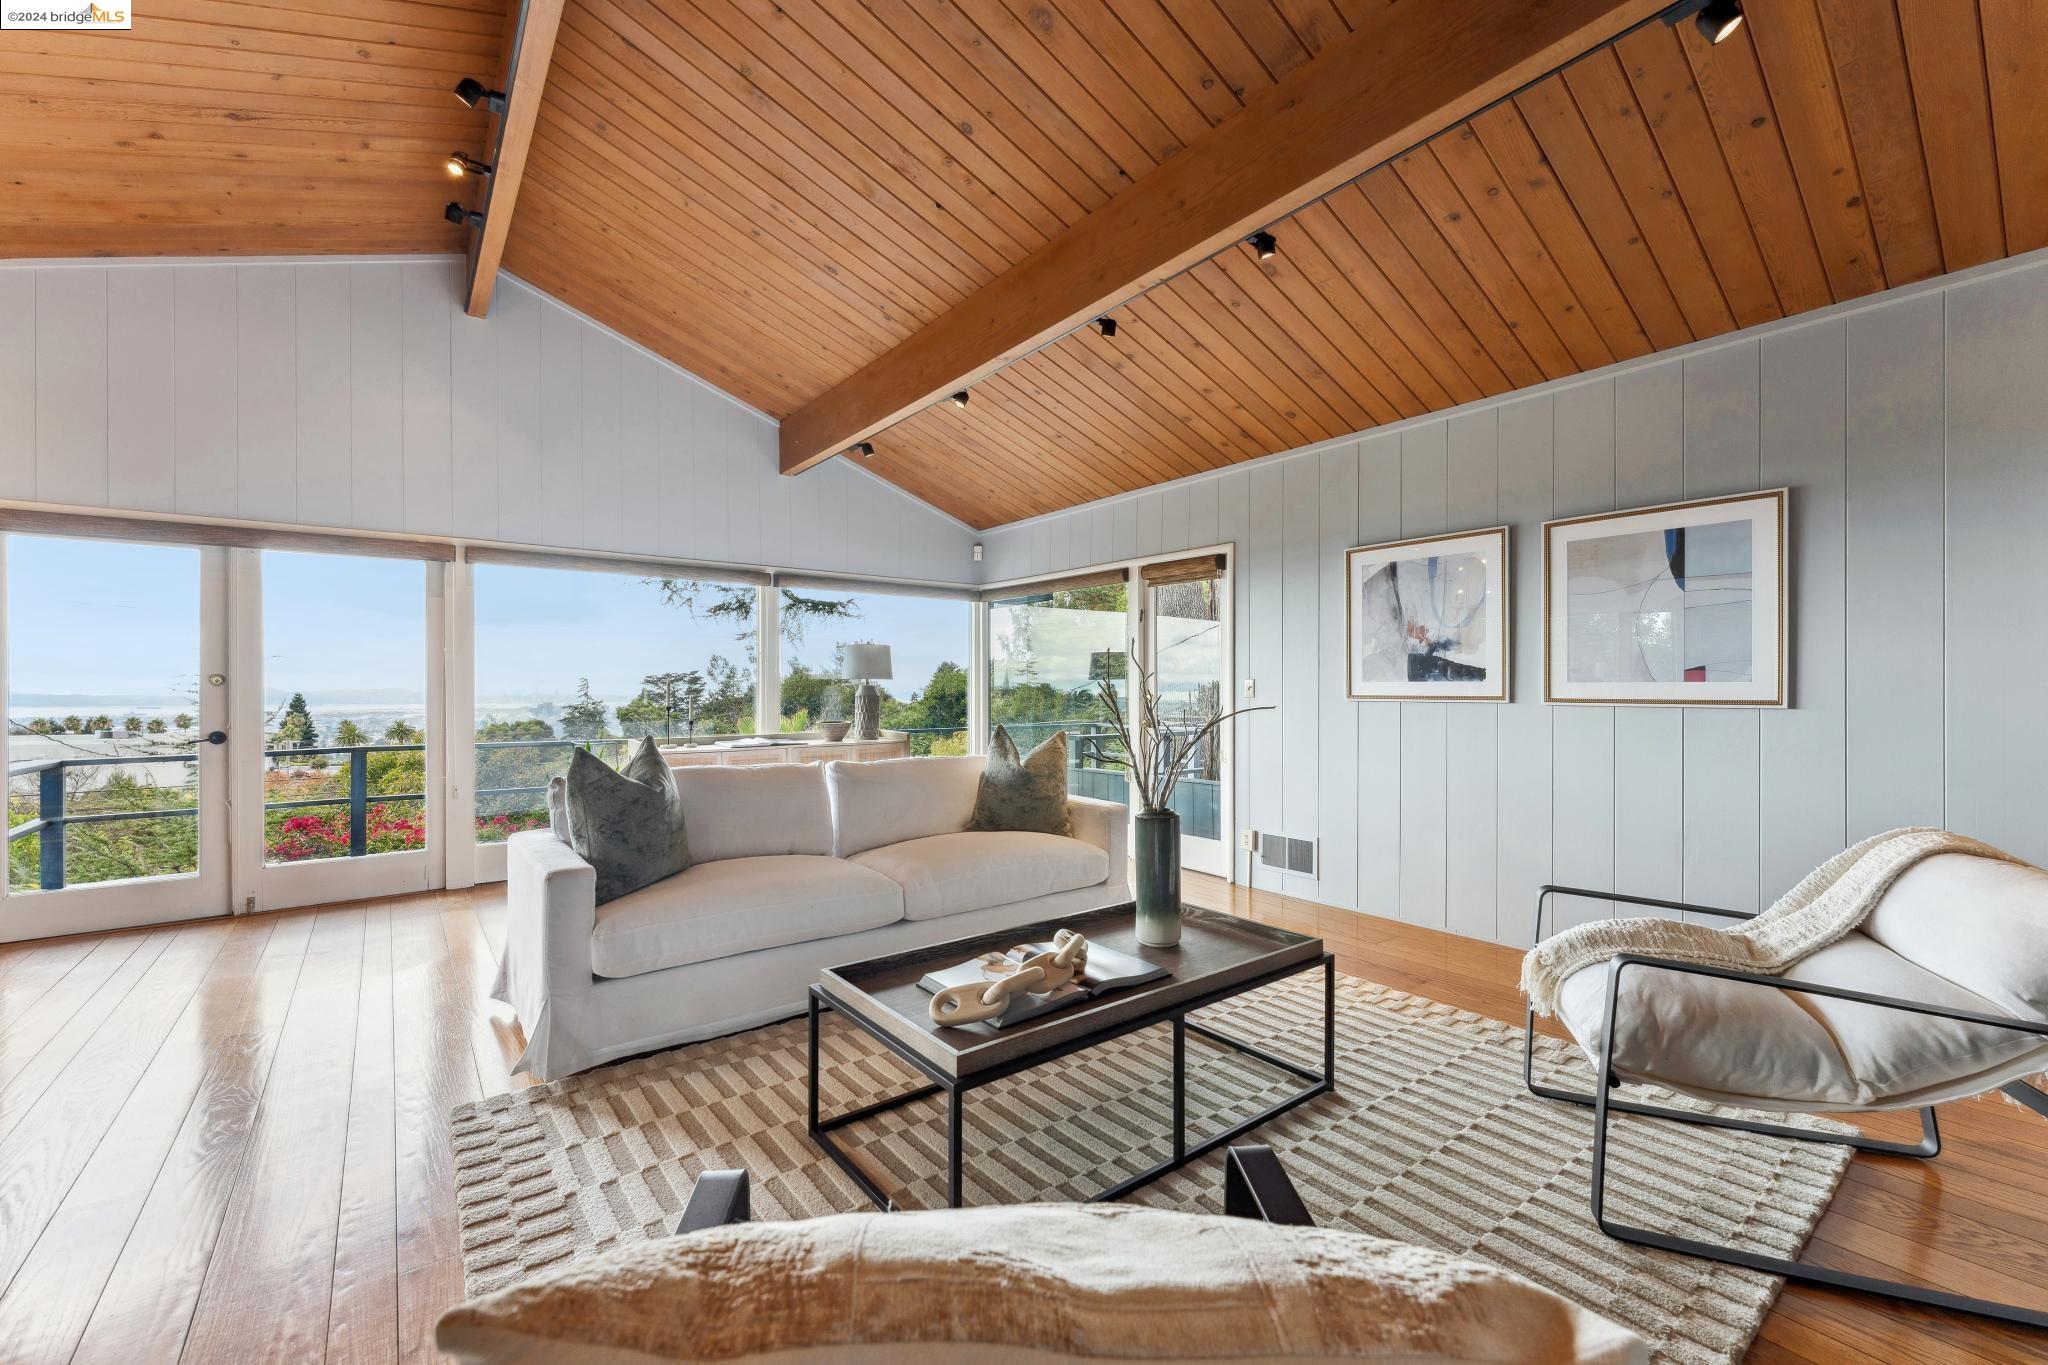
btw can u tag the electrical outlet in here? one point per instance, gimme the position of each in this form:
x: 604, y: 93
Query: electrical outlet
x: 1248, y: 840
x: 1251, y: 687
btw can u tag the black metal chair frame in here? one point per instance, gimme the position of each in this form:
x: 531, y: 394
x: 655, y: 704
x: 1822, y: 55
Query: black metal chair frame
x: 1255, y: 1185
x: 1603, y: 1104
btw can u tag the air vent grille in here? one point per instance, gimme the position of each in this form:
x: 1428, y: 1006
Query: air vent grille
x: 1285, y: 854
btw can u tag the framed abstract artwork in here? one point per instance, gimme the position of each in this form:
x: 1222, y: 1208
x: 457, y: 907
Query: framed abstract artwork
x: 1427, y: 619
x: 1680, y: 605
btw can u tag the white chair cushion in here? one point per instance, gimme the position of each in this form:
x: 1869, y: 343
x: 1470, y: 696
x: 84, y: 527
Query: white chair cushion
x: 947, y: 874
x: 755, y: 812
x: 1773, y: 1049
x: 737, y: 905
x: 1978, y: 922
x: 900, y: 798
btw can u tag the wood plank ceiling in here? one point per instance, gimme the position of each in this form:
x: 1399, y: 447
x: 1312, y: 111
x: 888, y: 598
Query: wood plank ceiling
x: 243, y: 127
x: 772, y: 193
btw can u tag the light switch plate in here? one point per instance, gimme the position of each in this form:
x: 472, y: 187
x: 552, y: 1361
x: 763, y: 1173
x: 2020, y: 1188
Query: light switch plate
x: 1251, y: 687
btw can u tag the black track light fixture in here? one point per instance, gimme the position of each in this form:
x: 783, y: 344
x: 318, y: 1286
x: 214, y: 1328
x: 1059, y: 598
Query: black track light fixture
x: 462, y: 163
x: 461, y: 216
x: 1264, y: 245
x: 1106, y: 326
x: 866, y: 449
x: 1715, y: 19
x: 960, y: 399
x: 473, y: 92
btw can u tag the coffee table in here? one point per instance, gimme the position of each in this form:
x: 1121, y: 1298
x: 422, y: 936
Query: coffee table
x: 1219, y: 956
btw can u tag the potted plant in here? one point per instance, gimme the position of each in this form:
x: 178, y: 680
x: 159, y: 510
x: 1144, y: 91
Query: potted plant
x: 1156, y: 755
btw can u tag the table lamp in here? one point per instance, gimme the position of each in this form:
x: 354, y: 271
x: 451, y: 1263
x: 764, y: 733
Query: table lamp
x: 867, y: 662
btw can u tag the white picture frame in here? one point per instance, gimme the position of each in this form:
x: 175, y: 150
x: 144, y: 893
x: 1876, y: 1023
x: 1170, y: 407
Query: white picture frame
x: 1683, y: 604
x: 1448, y: 593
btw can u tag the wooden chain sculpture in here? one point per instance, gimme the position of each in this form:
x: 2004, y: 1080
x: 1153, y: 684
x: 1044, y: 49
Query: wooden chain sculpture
x: 1037, y: 974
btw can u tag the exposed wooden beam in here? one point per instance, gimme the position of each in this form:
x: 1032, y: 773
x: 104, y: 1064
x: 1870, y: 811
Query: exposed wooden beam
x: 533, y: 47
x: 1407, y: 73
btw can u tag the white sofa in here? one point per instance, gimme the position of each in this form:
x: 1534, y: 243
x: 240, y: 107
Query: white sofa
x: 792, y: 869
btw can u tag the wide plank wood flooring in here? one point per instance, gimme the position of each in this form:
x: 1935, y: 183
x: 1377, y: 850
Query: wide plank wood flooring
x: 223, y: 1141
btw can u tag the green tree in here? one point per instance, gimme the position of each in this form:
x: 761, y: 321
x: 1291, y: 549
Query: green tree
x: 528, y: 728
x: 181, y: 721
x: 401, y: 732
x: 666, y: 701
x: 296, y: 730
x: 584, y: 717
x: 349, y: 735
x: 728, y: 706
x: 132, y: 725
x: 156, y: 725
x: 43, y: 725
x: 99, y: 723
x: 729, y: 603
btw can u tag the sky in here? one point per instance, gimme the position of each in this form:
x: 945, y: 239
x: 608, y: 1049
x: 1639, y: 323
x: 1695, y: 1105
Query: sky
x: 112, y: 619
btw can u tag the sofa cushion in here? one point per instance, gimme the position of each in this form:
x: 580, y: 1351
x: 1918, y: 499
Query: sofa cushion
x: 1024, y: 792
x: 755, y: 811
x: 736, y: 905
x: 628, y: 825
x: 1042, y: 1283
x: 1737, y: 1041
x: 900, y: 798
x: 946, y: 874
x: 1978, y: 922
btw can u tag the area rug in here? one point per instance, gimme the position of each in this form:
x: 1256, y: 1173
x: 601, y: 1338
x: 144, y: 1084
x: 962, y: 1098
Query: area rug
x: 1429, y: 1138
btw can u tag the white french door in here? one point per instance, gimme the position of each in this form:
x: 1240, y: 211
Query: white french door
x: 1186, y: 635
x: 334, y: 794
x: 116, y: 666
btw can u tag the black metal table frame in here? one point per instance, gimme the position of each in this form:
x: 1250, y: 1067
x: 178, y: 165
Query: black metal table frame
x: 1176, y: 1014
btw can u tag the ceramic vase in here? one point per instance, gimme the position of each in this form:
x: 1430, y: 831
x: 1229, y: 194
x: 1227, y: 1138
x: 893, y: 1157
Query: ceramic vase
x: 1155, y: 845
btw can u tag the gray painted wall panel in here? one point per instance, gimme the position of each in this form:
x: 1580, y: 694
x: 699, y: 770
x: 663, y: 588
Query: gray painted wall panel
x: 1894, y: 553
x: 1379, y: 722
x: 1522, y: 758
x: 1336, y: 716
x: 1471, y: 733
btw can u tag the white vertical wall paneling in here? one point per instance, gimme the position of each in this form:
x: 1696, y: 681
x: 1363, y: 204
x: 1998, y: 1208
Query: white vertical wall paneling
x: 1202, y: 512
x: 1802, y: 752
x: 1471, y: 731
x: 1893, y: 589
x: 204, y: 296
x: 603, y: 455
x: 639, y: 453
x: 1301, y: 653
x: 142, y: 389
x: 1268, y: 654
x: 1336, y: 739
x: 1151, y: 505
x: 1425, y: 475
x: 1124, y: 545
x: 377, y: 391
x: 1582, y: 737
x: 266, y: 383
x: 518, y: 315
x: 561, y: 430
x: 17, y: 383
x: 1379, y: 722
x: 1997, y: 608
x: 1523, y: 753
x: 1649, y: 741
x: 1233, y: 512
x: 1101, y: 533
x: 325, y: 489
x: 71, y: 376
x: 428, y: 378
x: 1722, y: 399
x: 1173, y: 518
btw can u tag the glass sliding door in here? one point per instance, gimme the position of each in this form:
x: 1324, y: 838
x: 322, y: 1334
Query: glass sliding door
x: 1190, y: 662
x: 116, y: 731
x: 1048, y: 651
x: 348, y: 762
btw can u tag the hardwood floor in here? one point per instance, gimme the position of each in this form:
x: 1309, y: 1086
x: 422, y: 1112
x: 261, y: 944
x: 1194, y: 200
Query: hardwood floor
x: 223, y: 1141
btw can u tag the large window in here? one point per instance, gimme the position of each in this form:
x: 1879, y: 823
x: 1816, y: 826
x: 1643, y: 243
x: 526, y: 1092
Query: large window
x: 1048, y: 653
x: 567, y: 658
x: 928, y: 640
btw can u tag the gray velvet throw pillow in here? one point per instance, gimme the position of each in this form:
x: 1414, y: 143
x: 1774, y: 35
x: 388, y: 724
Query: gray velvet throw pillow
x: 1028, y: 793
x: 626, y: 824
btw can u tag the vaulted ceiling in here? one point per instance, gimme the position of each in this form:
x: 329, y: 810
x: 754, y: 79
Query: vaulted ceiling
x: 776, y: 193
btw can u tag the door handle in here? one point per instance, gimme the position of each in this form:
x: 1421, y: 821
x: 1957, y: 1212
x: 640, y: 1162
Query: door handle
x: 217, y: 737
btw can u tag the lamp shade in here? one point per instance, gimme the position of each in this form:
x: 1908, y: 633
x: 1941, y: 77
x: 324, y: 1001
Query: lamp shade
x: 868, y: 661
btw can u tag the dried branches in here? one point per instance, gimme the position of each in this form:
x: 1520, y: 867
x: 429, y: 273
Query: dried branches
x: 1156, y: 756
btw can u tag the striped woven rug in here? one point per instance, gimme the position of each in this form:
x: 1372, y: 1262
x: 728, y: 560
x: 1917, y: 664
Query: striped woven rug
x: 1429, y: 1138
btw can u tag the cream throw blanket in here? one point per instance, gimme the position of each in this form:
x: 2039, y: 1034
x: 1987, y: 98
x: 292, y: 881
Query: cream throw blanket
x: 1833, y: 900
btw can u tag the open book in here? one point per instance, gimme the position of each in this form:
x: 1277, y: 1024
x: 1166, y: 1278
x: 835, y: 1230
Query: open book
x: 1106, y: 970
